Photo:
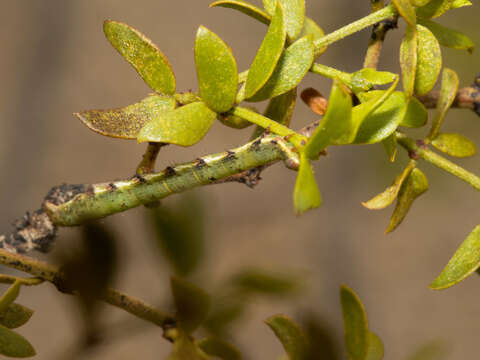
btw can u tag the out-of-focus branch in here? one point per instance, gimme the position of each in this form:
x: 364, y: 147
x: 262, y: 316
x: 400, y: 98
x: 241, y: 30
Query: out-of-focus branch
x: 467, y: 98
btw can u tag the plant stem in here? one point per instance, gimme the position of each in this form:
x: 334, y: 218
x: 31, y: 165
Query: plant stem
x: 331, y: 73
x: 48, y: 272
x: 439, y: 161
x: 352, y: 28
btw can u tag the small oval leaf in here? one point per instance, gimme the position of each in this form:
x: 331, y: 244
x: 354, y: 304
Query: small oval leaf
x: 429, y: 61
x: 415, y: 185
x: 14, y: 345
x: 184, y: 126
x: 306, y: 195
x: 460, y: 3
x: 126, y: 123
x: 258, y: 281
x: 268, y: 55
x: 406, y: 10
x: 192, y: 304
x: 15, y: 316
x: 216, y: 71
x: 463, y: 263
x: 408, y: 60
x: 245, y: 8
x: 291, y: 336
x: 219, y: 348
x: 416, y: 115
x: 376, y: 349
x: 434, y: 8
x: 292, y: 67
x: 10, y: 295
x: 150, y: 63
x: 366, y: 78
x: 355, y: 324
x: 448, y: 92
x: 454, y: 145
x: 336, y: 126
x: 448, y: 37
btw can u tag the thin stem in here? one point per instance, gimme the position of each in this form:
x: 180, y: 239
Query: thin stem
x: 331, y: 73
x: 9, y: 279
x: 437, y: 160
x: 147, y: 164
x: 53, y: 274
x: 352, y: 28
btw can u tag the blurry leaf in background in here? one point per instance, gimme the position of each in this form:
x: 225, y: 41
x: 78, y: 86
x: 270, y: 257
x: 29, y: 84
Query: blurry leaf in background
x: 185, y: 349
x: 10, y: 295
x: 14, y: 345
x: 225, y: 311
x: 15, y: 316
x: 292, y: 337
x: 448, y: 37
x: 433, y: 350
x: 180, y: 233
x: 219, y: 348
x: 262, y: 282
x: 376, y: 350
x: 192, y: 304
x: 323, y: 343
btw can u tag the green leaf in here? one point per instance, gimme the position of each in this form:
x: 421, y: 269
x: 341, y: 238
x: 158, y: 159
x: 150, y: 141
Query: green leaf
x: 216, y: 71
x: 406, y: 10
x: 185, y: 349
x: 294, y: 12
x: 125, y: 123
x: 416, y: 115
x: 433, y: 350
x: 10, y: 295
x: 390, y: 146
x: 429, y: 61
x: 150, y: 63
x: 15, y: 316
x: 387, y: 197
x: 460, y: 3
x: 192, y: 304
x: 14, y: 345
x: 184, y: 126
x: 434, y: 8
x: 223, y: 314
x: 448, y: 37
x: 219, y: 348
x: 382, y: 122
x: 336, y: 126
x: 355, y: 324
x: 291, y: 336
x: 366, y: 78
x: 306, y: 195
x: 454, y: 145
x: 419, y: 3
x: 270, y: 6
x: 415, y: 185
x: 463, y: 263
x: 268, y: 55
x: 245, y: 8
x: 408, y: 60
x: 280, y: 109
x: 310, y: 27
x: 258, y: 281
x: 376, y: 349
x: 448, y: 92
x: 292, y: 67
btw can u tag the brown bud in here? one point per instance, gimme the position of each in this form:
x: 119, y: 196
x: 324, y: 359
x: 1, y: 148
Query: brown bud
x: 314, y: 100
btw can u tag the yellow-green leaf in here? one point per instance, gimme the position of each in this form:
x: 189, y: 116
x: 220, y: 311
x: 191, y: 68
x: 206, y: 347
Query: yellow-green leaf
x: 310, y: 27
x: 448, y: 92
x: 366, y: 78
x: 10, y: 295
x: 192, y: 304
x: 185, y: 349
x: 415, y: 185
x: 434, y: 8
x: 294, y: 11
x: 216, y: 71
x: 292, y: 67
x: 245, y: 8
x: 219, y: 348
x: 336, y: 126
x: 406, y: 10
x: 125, y: 123
x: 259, y: 281
x: 418, y: 3
x: 376, y: 349
x: 463, y: 263
x: 150, y: 63
x: 408, y: 60
x: 269, y: 6
x: 355, y: 324
x: 306, y: 195
x: 448, y: 37
x: 454, y: 145
x: 387, y: 197
x: 416, y: 115
x: 14, y: 345
x: 432, y: 350
x: 291, y: 336
x: 268, y: 55
x: 460, y: 3
x: 390, y: 146
x: 383, y: 121
x: 184, y: 126
x: 15, y: 316
x: 429, y: 61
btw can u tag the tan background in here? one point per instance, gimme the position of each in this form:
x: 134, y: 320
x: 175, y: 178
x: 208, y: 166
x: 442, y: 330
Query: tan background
x: 54, y: 61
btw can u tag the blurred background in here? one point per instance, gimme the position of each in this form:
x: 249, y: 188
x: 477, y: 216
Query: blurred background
x: 56, y: 61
